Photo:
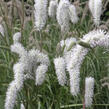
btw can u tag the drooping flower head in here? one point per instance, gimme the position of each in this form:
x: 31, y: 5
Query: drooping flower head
x: 94, y: 38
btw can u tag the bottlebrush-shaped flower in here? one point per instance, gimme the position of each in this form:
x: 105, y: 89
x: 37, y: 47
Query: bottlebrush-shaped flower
x: 11, y: 96
x: 40, y: 13
x: 95, y: 7
x: 89, y: 91
x: 93, y: 38
x: 73, y: 67
x: 14, y: 86
x: 29, y: 62
x: 63, y: 15
x: 60, y: 70
x: 40, y: 74
x: 52, y: 8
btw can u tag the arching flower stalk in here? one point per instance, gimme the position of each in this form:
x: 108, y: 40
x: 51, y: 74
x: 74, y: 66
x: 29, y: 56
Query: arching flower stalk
x: 95, y: 7
x: 52, y: 8
x: 93, y: 38
x: 29, y: 61
x: 89, y: 91
x: 40, y: 13
x: 66, y: 12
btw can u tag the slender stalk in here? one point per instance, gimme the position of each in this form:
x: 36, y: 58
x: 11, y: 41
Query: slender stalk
x: 83, y: 44
x: 23, y: 15
x: 41, y: 40
x: 5, y: 47
x: 80, y: 105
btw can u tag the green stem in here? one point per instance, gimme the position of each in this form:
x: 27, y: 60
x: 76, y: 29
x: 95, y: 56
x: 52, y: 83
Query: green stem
x: 4, y: 47
x: 5, y: 66
x: 79, y: 105
x: 41, y: 40
x: 72, y: 44
x: 84, y: 44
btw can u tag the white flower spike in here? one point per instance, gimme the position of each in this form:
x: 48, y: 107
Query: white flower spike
x: 63, y: 15
x: 89, y: 91
x: 60, y: 70
x: 95, y: 7
x: 40, y: 74
x: 52, y: 8
x: 40, y: 13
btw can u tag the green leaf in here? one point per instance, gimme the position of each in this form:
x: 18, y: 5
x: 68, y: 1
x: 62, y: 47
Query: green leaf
x: 107, y: 13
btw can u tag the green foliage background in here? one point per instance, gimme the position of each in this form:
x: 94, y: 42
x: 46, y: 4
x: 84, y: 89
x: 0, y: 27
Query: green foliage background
x: 51, y: 95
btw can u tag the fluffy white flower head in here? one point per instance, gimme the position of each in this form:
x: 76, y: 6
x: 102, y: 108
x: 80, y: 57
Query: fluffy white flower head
x: 63, y: 15
x: 89, y: 91
x: 40, y: 13
x: 97, y: 38
x: 52, y: 8
x: 74, y: 68
x: 11, y: 95
x: 95, y: 7
x: 40, y: 74
x: 60, y: 70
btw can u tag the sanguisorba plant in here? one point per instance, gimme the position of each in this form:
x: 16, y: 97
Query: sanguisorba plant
x: 33, y: 63
x: 29, y: 62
